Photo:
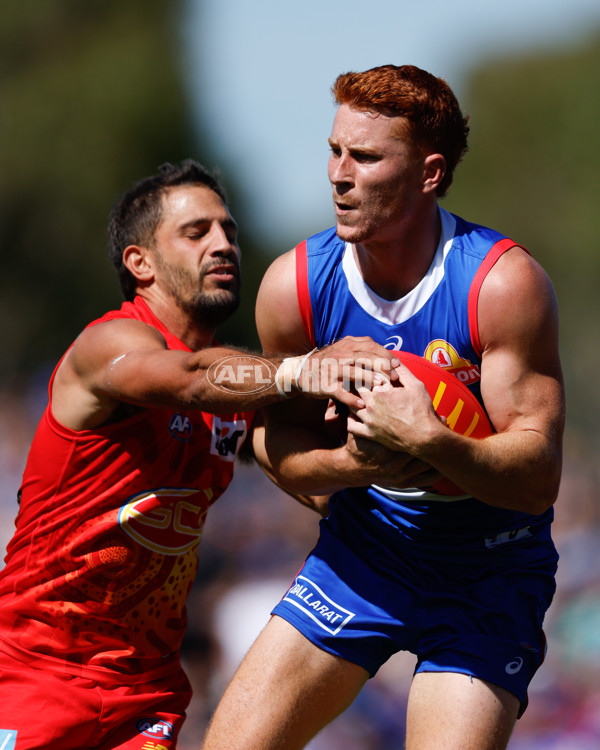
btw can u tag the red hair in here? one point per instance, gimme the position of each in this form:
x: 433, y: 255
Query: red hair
x: 434, y: 120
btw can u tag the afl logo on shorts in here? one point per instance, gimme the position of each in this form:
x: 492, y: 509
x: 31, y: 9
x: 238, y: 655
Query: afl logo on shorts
x: 168, y: 521
x: 159, y: 730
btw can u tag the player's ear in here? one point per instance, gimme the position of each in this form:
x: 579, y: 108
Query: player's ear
x: 138, y: 260
x: 434, y: 169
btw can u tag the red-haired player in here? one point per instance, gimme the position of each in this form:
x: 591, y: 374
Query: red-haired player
x: 463, y: 582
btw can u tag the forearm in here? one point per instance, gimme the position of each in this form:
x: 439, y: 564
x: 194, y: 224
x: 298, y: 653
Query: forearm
x: 310, y: 466
x: 215, y: 379
x: 316, y: 502
x: 519, y: 470
x: 313, y: 500
x: 225, y: 377
x: 314, y: 471
x: 518, y: 467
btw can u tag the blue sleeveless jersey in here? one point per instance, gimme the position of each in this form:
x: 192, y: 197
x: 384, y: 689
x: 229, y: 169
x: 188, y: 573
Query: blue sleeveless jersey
x: 436, y: 320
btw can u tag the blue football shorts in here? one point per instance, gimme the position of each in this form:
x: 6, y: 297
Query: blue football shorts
x: 482, y: 621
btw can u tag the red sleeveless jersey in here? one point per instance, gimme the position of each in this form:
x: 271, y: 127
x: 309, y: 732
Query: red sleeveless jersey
x: 106, y: 542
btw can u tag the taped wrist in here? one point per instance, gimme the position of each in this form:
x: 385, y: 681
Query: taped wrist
x: 287, y: 377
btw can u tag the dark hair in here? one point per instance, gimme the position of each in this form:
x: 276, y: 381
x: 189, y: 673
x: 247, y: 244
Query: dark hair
x: 428, y: 104
x: 137, y: 213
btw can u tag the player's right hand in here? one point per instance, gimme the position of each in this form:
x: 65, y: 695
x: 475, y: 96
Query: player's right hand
x: 340, y: 369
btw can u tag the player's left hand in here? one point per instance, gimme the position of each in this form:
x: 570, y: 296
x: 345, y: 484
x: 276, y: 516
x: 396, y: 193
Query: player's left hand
x: 389, y: 467
x: 399, y: 415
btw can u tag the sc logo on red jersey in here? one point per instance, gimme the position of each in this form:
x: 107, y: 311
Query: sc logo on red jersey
x: 169, y: 520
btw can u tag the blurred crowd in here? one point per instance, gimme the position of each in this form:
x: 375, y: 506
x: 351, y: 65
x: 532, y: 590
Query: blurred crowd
x: 255, y: 540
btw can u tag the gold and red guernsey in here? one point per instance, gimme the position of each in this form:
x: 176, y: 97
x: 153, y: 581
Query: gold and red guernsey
x: 106, y: 543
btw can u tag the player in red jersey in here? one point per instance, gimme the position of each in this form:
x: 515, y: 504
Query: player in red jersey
x: 138, y: 440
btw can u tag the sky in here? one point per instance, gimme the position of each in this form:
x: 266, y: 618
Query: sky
x: 259, y: 75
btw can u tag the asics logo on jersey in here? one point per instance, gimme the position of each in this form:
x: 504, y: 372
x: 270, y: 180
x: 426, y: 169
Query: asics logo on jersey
x: 394, y: 343
x: 514, y: 666
x: 308, y: 597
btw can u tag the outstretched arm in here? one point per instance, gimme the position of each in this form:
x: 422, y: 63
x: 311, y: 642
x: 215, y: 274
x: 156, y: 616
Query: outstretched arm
x: 127, y: 362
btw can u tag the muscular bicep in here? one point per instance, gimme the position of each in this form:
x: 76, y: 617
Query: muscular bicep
x: 295, y: 424
x: 318, y: 503
x: 301, y: 433
x: 521, y: 379
x: 121, y: 361
x: 278, y: 320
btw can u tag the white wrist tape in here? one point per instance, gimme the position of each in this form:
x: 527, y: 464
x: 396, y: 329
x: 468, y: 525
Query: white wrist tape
x: 288, y: 373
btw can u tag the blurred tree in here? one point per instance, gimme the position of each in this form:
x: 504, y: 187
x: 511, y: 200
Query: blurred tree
x: 92, y: 100
x: 533, y: 173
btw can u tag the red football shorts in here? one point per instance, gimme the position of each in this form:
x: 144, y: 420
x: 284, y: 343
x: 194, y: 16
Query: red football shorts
x: 47, y: 704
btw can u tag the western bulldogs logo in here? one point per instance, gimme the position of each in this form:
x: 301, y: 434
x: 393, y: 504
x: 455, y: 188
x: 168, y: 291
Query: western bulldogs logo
x: 180, y: 427
x: 444, y: 355
x: 227, y: 437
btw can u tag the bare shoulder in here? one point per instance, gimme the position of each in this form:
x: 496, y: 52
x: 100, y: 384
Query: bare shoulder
x: 278, y: 318
x: 517, y: 300
x: 81, y: 396
x: 98, y: 345
x: 521, y: 376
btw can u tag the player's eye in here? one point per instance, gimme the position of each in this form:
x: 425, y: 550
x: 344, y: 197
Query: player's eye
x: 365, y: 158
x: 197, y: 232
